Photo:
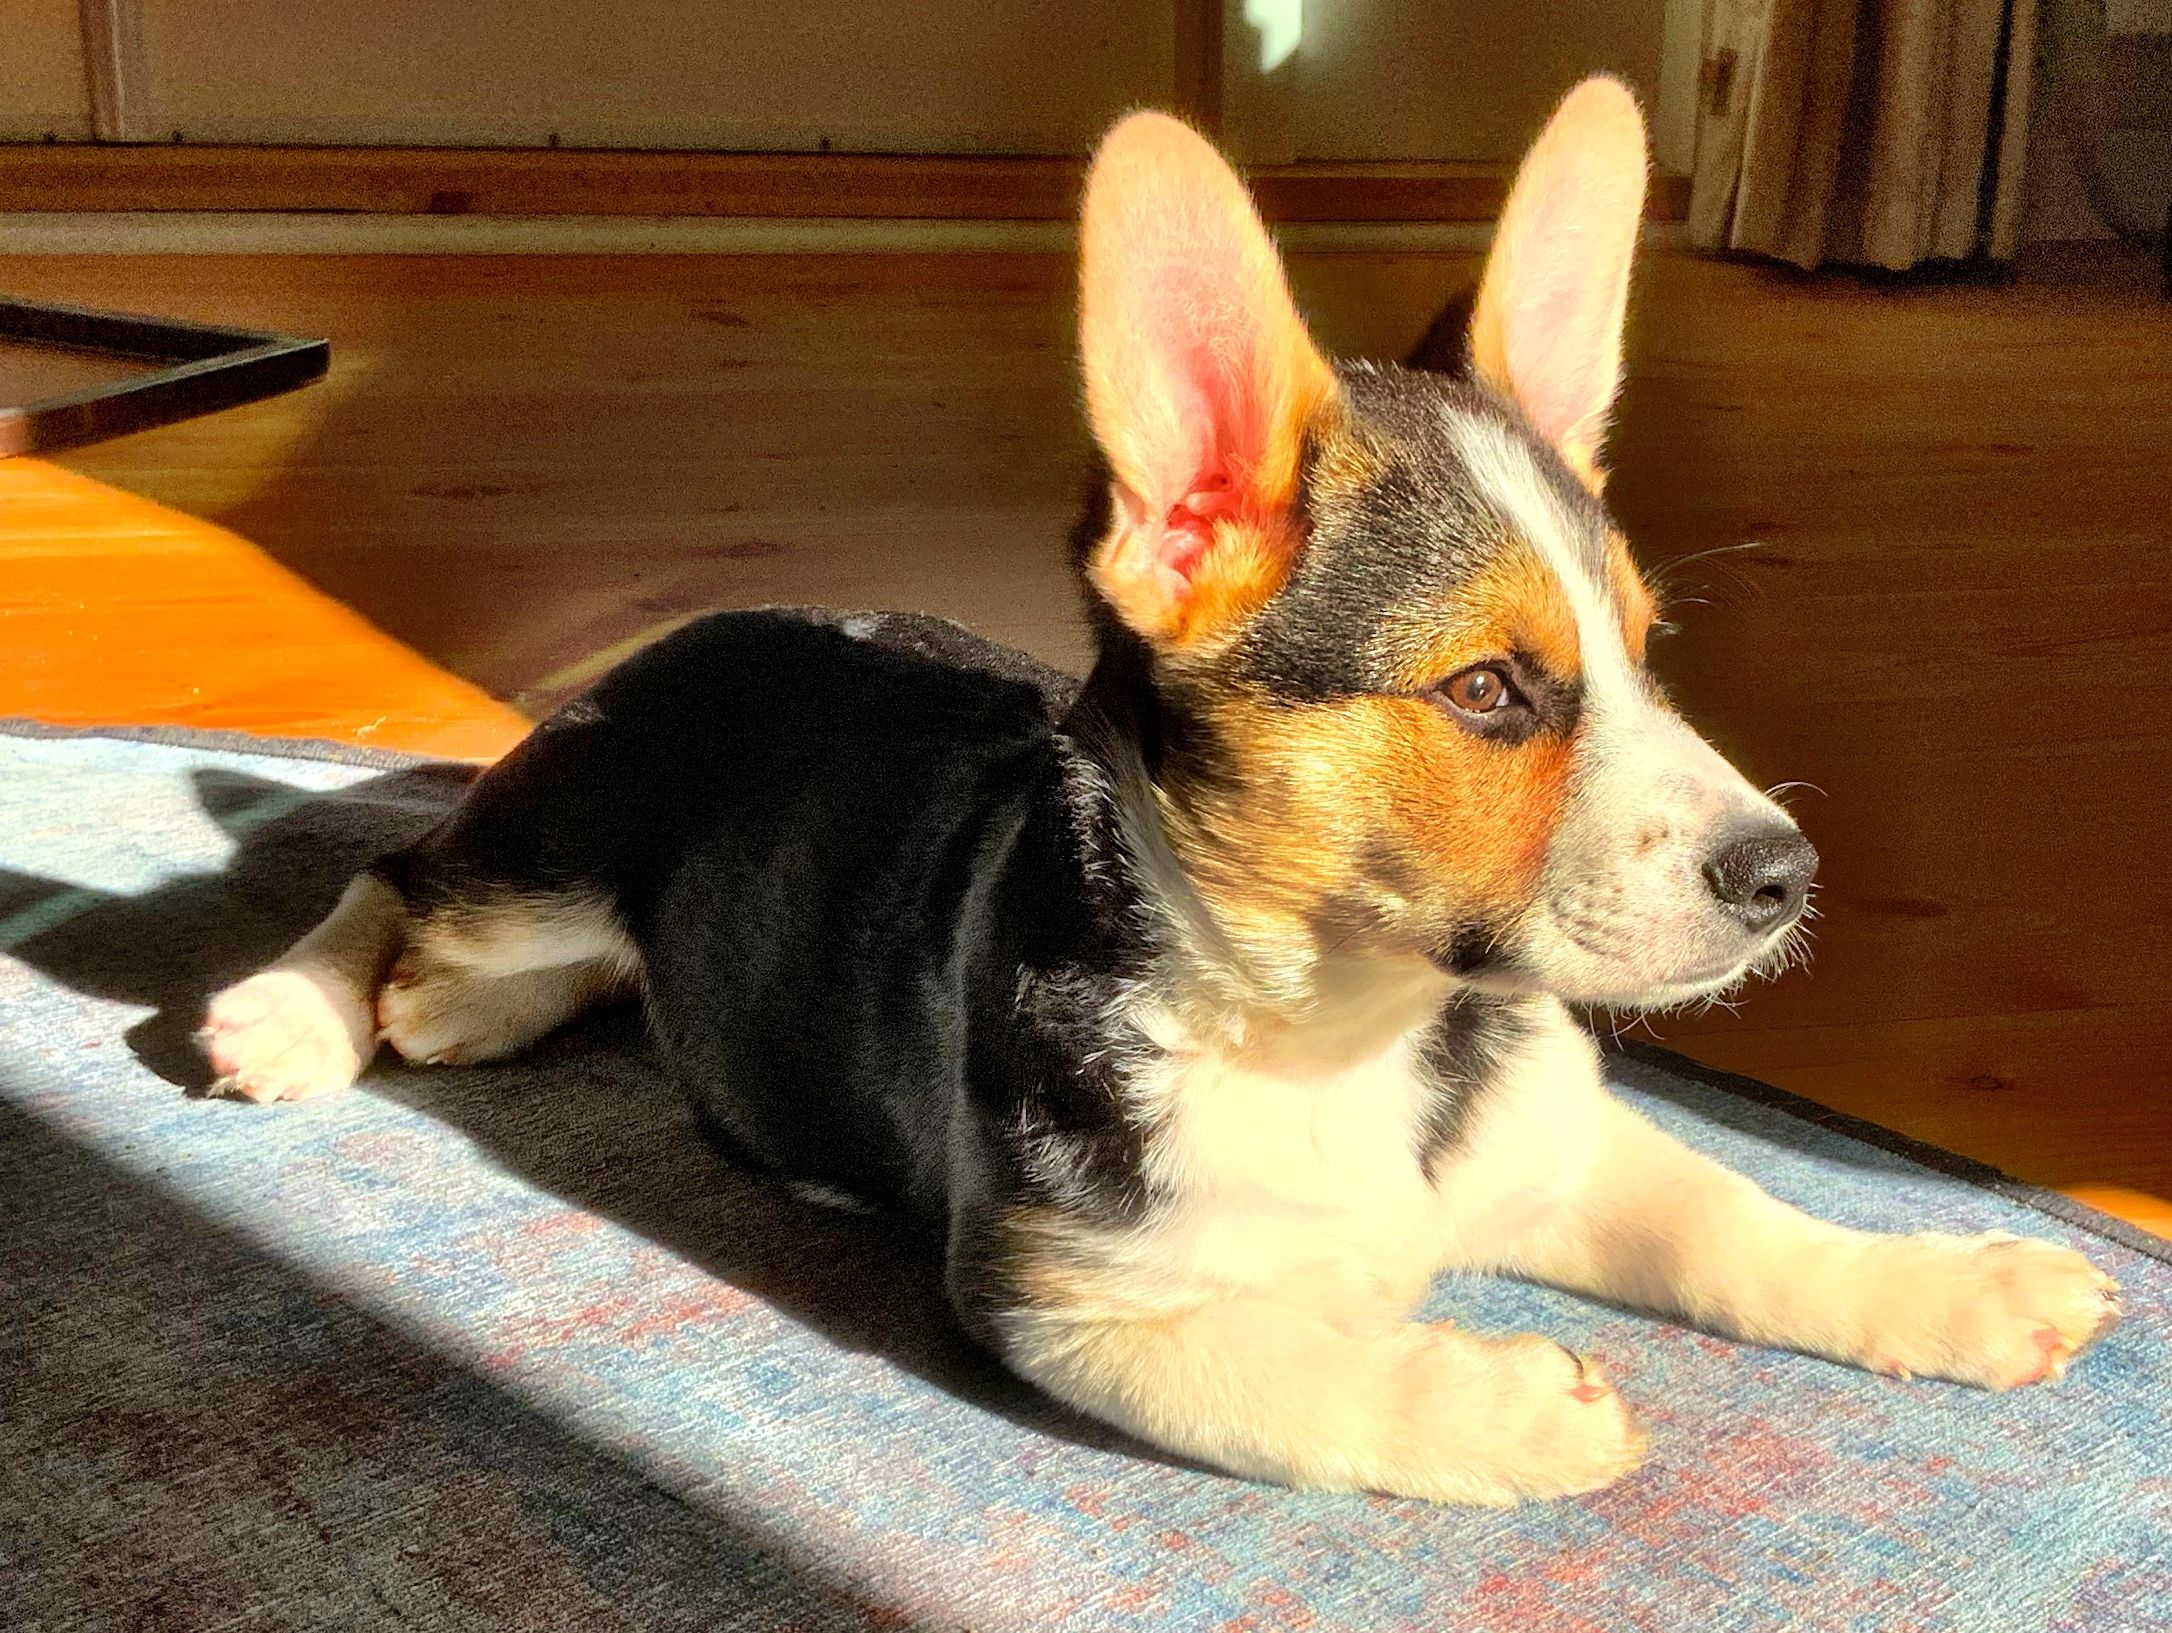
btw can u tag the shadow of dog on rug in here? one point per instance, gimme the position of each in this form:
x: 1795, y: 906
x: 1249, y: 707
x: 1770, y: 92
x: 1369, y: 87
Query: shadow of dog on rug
x: 588, y: 1114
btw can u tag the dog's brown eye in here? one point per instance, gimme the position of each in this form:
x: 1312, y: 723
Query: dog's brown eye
x: 1479, y: 691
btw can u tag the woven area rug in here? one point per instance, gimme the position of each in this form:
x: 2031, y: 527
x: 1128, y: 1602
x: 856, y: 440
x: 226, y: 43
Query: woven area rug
x: 513, y: 1349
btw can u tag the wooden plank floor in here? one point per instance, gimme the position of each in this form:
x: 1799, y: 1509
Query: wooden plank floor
x: 1958, y: 625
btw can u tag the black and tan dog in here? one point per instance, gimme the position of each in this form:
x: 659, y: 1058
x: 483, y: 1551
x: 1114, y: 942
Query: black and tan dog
x: 1203, y: 1026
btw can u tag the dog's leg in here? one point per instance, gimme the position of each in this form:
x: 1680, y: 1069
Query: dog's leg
x: 308, y: 1024
x: 1285, y: 1394
x: 1624, y: 1211
x: 482, y: 979
x: 445, y: 1015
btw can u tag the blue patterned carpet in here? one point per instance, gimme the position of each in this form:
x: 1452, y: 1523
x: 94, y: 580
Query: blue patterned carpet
x: 511, y: 1349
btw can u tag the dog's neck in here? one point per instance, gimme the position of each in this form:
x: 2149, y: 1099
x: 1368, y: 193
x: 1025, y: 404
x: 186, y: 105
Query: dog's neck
x: 1260, y: 985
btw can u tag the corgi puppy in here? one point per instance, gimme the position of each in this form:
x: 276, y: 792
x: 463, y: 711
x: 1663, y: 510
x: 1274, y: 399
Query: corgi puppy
x: 1201, y: 1015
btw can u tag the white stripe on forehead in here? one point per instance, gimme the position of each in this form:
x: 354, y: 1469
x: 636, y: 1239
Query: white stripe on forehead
x: 1505, y: 476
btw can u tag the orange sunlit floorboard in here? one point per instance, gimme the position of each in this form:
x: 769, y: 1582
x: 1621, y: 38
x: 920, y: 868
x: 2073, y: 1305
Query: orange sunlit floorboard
x: 118, y: 611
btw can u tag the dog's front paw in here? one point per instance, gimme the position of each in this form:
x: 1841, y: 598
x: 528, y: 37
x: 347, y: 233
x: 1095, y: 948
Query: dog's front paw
x: 1500, y: 1420
x: 286, y: 1035
x: 1997, y: 1311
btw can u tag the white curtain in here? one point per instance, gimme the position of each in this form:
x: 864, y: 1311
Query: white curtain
x: 1871, y: 132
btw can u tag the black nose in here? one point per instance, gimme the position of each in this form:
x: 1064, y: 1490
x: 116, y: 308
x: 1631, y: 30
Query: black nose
x: 1762, y: 877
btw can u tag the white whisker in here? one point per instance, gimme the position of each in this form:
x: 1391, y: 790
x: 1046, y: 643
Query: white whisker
x: 1779, y: 788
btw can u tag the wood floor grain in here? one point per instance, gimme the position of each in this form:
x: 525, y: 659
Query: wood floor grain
x: 1954, y: 621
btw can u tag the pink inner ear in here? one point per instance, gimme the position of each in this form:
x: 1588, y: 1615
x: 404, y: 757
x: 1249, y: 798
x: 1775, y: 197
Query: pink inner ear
x: 1547, y: 329
x: 1199, y: 374
x: 1199, y: 365
x: 1189, y: 527
x: 1564, y: 310
x: 1193, y: 398
x: 1211, y: 497
x: 1559, y: 352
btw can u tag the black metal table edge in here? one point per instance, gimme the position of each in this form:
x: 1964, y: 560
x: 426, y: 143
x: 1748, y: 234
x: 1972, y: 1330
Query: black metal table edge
x: 208, y: 367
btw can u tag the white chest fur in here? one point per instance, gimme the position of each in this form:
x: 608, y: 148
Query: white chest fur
x: 1298, y: 1175
x: 1281, y: 1169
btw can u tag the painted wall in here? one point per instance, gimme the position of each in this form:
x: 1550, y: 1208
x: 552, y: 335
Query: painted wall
x: 997, y: 76
x: 1362, y: 79
x: 1404, y: 79
x: 42, y: 87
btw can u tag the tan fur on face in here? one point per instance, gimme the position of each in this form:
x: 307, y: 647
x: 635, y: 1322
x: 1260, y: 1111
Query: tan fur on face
x: 1515, y: 605
x: 1377, y: 818
x: 1370, y: 817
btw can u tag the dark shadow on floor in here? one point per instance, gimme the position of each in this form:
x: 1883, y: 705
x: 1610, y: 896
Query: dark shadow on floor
x: 588, y: 1115
x: 198, y: 1436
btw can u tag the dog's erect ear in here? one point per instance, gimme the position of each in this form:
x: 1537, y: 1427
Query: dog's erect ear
x: 1200, y: 382
x: 1547, y: 327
